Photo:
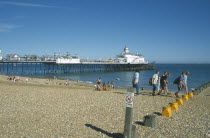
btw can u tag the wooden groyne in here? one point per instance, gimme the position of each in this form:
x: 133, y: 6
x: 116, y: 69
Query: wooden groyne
x: 47, y: 67
x: 201, y: 88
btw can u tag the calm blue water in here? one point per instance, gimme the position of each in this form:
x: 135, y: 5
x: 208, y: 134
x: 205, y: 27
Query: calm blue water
x: 199, y: 74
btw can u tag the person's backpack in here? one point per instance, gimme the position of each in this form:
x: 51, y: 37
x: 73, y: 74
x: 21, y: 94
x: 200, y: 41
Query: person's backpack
x: 150, y: 81
x: 177, y: 80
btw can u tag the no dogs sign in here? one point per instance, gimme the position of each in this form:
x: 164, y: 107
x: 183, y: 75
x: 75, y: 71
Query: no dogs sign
x: 129, y: 96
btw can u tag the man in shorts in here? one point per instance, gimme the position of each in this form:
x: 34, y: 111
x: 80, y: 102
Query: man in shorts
x: 163, y: 83
x: 180, y: 85
x: 185, y: 82
x: 154, y: 82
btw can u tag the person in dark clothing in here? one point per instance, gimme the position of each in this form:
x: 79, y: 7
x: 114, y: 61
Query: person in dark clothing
x: 163, y: 83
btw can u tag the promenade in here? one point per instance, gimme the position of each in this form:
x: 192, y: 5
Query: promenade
x: 48, y: 108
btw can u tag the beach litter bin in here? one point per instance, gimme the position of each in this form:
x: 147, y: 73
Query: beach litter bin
x: 180, y: 101
x: 150, y: 121
x: 185, y: 97
x: 167, y: 112
x: 190, y: 94
x: 174, y: 106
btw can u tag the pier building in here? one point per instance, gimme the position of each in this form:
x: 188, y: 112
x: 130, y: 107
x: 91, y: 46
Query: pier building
x: 127, y: 57
x: 13, y: 57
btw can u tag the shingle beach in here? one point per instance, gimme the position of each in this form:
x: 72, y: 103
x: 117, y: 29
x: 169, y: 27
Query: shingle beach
x: 41, y: 108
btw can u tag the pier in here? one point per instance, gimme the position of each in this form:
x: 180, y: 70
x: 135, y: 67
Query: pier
x: 51, y: 67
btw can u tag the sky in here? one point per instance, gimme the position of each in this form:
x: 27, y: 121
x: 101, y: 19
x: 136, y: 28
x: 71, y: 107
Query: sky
x: 165, y: 31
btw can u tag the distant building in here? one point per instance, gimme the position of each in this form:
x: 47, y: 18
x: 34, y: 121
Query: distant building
x: 30, y: 58
x: 56, y: 56
x: 68, y: 59
x: 47, y: 58
x: 13, y: 57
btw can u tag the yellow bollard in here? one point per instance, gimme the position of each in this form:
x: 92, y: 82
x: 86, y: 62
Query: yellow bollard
x: 185, y: 97
x: 179, y: 101
x: 167, y: 112
x: 174, y: 106
x: 190, y: 94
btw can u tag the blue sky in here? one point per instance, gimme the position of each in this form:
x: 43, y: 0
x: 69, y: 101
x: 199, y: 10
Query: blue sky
x: 165, y: 31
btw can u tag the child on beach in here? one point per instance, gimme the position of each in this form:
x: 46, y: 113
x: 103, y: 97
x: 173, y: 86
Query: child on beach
x: 98, y: 84
x: 105, y: 87
x: 109, y: 84
x: 112, y: 85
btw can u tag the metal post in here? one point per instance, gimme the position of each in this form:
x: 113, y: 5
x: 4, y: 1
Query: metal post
x: 128, y: 113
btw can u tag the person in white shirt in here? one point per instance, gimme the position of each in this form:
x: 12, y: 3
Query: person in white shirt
x: 154, y: 82
x: 136, y: 82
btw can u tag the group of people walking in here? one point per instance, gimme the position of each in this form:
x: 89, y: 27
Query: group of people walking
x: 160, y: 84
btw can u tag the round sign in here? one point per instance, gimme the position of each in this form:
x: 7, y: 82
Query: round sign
x: 129, y: 99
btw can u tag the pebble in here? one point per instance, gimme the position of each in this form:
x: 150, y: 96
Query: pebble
x: 39, y: 110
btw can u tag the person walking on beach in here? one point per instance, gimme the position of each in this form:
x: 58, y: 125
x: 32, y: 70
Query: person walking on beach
x: 180, y: 84
x: 136, y: 82
x: 154, y: 82
x: 185, y: 82
x: 163, y: 83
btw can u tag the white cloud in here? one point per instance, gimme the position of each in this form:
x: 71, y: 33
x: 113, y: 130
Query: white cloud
x: 7, y: 27
x: 27, y: 4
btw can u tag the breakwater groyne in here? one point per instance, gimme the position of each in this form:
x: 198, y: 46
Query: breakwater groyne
x: 47, y: 67
x: 201, y: 88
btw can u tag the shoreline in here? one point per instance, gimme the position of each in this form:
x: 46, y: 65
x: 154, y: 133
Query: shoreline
x: 37, y: 109
x: 88, y: 83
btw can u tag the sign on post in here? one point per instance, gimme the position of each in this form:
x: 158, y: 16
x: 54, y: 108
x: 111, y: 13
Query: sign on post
x: 129, y: 97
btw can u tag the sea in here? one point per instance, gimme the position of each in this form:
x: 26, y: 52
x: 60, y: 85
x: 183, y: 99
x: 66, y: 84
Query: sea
x: 199, y: 74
